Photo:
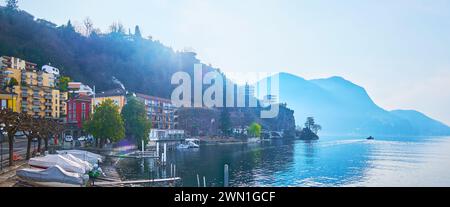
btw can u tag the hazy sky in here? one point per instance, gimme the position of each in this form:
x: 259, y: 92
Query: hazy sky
x: 399, y: 50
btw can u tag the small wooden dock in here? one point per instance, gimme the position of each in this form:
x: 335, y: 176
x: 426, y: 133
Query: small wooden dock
x: 121, y: 183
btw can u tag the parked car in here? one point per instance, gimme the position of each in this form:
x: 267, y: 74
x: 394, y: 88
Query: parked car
x: 82, y: 139
x: 68, y: 138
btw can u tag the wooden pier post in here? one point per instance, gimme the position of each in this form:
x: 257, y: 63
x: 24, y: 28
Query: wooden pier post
x: 226, y: 176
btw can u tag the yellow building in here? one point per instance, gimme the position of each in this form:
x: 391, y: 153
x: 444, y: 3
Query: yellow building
x: 117, y: 96
x: 8, y: 101
x: 36, y: 93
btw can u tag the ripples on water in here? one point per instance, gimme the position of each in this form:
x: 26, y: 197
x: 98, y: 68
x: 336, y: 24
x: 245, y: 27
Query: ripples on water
x: 328, y: 162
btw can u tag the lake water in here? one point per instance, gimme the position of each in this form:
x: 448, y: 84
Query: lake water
x: 327, y: 162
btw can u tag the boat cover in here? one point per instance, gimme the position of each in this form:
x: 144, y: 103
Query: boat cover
x: 53, y: 160
x: 87, y: 165
x: 52, y: 174
x: 84, y: 155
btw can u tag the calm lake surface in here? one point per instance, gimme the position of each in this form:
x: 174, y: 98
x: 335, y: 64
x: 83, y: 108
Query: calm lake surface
x: 327, y: 162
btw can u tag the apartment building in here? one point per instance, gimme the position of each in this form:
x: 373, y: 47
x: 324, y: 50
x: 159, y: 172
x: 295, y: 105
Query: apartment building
x: 160, y: 111
x: 36, y: 92
x: 118, y: 96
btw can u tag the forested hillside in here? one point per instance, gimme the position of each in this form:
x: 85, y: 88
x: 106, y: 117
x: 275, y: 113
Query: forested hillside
x: 143, y: 65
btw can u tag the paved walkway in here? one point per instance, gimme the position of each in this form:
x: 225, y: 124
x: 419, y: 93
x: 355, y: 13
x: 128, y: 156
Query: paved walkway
x: 8, y: 174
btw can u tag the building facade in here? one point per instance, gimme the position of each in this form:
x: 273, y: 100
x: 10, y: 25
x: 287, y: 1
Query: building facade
x: 8, y: 100
x: 36, y: 90
x: 78, y: 111
x: 118, y: 96
x: 161, y: 112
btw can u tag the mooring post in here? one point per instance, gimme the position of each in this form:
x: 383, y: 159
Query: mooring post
x: 198, y: 181
x: 157, y: 148
x: 204, y: 181
x: 225, y: 177
x: 165, y: 153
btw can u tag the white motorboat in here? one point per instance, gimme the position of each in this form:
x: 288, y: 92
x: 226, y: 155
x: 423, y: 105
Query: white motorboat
x: 189, y: 144
x: 54, y: 160
x: 87, y: 165
x: 254, y: 140
x: 84, y: 155
x: 54, y: 176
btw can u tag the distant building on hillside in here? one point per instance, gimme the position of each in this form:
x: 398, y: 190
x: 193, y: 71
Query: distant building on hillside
x: 51, y: 70
x: 118, y: 96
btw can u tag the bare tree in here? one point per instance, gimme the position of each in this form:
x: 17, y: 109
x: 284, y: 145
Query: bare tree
x: 88, y: 27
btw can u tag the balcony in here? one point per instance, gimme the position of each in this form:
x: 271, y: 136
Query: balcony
x: 48, y: 104
x: 48, y: 111
x: 36, y: 109
x: 36, y: 103
x: 36, y: 95
x: 48, y: 97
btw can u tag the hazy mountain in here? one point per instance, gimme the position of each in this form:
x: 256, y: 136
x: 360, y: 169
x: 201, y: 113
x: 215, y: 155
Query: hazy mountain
x: 344, y: 108
x: 142, y: 64
x: 422, y: 123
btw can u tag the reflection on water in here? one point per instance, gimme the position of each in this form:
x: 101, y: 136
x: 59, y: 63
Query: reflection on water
x: 328, y: 162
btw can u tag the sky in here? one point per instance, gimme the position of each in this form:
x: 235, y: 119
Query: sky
x: 399, y: 50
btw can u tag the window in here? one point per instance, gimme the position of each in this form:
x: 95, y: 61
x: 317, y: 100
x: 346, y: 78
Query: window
x: 83, y: 111
x: 3, y: 104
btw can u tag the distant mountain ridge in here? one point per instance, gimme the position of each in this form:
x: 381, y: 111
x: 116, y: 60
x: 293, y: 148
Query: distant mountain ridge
x: 344, y: 108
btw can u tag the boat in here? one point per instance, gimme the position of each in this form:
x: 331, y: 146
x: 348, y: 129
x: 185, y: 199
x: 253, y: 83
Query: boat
x: 54, y: 160
x: 89, y: 167
x: 189, y: 144
x: 83, y: 155
x: 254, y: 140
x: 54, y: 176
x: 370, y: 138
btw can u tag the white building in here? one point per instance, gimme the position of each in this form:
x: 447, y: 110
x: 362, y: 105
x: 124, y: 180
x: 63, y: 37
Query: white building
x: 80, y: 88
x: 51, y: 70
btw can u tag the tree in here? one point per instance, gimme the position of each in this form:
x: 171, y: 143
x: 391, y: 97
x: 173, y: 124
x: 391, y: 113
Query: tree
x: 106, y: 123
x: 117, y: 28
x: 312, y: 126
x: 30, y: 129
x: 64, y: 83
x: 12, y: 5
x: 254, y: 130
x: 137, y: 32
x: 137, y: 125
x: 12, y: 122
x: 88, y: 27
x: 225, y: 123
x: 11, y: 84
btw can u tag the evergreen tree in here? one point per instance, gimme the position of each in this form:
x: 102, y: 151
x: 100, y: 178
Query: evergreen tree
x: 137, y: 32
x: 12, y: 5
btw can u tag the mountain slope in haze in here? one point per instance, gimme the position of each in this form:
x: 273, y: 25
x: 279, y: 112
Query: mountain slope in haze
x: 422, y: 123
x: 344, y: 108
x: 143, y: 65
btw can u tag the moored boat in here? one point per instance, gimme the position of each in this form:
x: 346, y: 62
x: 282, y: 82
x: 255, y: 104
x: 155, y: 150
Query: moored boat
x: 84, y: 155
x: 54, y: 176
x: 54, y: 160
